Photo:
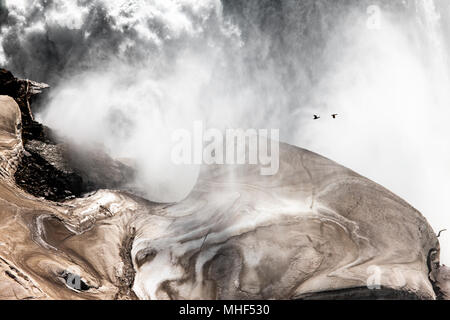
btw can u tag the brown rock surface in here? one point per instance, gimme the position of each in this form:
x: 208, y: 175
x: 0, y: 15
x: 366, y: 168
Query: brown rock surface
x: 315, y: 229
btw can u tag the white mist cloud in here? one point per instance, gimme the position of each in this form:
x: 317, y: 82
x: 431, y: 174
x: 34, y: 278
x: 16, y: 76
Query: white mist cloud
x: 133, y: 117
x: 390, y: 89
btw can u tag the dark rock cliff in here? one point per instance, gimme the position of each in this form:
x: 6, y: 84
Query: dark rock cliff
x: 50, y: 168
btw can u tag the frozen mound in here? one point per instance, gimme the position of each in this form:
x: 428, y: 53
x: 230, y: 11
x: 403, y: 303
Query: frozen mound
x: 314, y: 230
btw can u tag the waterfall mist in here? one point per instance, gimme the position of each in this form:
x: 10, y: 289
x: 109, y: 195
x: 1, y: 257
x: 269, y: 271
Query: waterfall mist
x: 125, y: 73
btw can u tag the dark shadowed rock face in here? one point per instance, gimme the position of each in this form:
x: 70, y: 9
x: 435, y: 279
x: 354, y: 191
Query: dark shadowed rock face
x: 43, y: 172
x: 314, y: 230
x: 36, y: 172
x: 9, y: 85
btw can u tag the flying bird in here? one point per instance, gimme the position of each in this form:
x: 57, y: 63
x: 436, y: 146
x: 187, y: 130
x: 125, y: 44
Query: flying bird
x: 316, y: 117
x: 334, y: 115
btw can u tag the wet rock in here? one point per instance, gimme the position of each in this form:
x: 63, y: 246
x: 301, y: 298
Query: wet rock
x: 45, y: 174
x: 314, y: 230
x: 441, y: 281
x: 22, y: 90
x: 51, y: 153
x: 51, y: 168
